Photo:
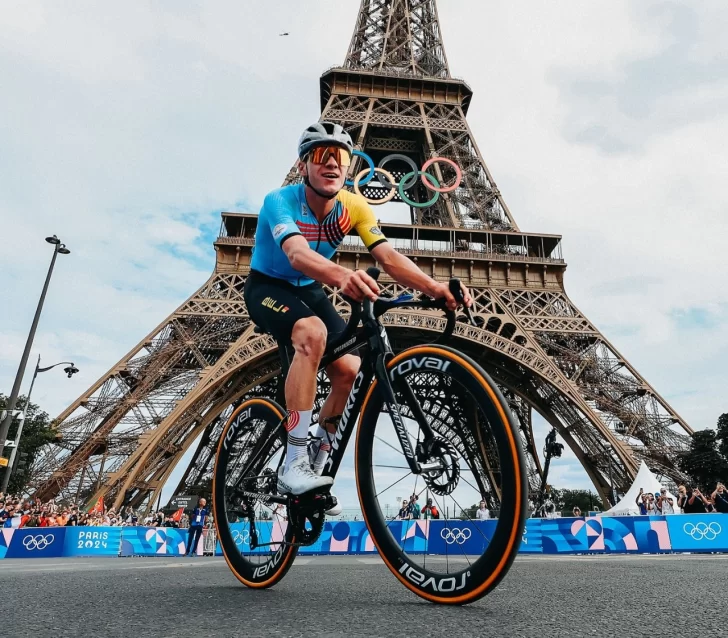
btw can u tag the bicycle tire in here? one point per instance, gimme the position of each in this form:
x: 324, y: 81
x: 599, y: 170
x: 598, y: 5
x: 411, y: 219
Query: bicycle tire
x: 257, y: 575
x: 478, y: 579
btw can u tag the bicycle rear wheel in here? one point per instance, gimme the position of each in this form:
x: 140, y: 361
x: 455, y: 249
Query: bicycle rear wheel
x: 245, y: 476
x: 479, y: 449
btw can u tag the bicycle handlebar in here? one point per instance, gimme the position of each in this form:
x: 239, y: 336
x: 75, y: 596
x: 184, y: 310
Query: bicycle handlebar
x: 373, y: 309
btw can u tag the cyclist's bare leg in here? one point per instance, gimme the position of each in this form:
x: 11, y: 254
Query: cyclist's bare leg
x: 342, y: 373
x: 309, y: 342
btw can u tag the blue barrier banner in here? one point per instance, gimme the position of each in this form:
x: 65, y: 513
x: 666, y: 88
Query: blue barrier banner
x: 623, y: 534
x: 597, y: 534
x: 35, y: 542
x: 92, y: 541
x: 337, y: 537
x: 532, y: 539
x: 698, y: 532
x: 460, y: 537
x: 153, y: 541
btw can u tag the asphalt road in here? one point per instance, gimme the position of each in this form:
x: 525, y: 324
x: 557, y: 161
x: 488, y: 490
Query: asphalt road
x: 335, y: 596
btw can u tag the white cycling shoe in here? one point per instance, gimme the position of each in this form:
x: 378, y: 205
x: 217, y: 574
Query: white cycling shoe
x: 300, y: 478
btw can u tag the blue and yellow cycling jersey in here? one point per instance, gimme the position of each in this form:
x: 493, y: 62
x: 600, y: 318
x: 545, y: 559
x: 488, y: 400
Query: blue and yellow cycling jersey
x: 285, y: 213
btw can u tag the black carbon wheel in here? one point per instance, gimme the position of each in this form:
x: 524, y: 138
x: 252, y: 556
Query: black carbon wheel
x: 474, y: 429
x: 250, y: 448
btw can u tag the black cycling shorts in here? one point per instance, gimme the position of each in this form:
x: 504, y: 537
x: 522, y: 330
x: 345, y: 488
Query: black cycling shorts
x: 274, y: 305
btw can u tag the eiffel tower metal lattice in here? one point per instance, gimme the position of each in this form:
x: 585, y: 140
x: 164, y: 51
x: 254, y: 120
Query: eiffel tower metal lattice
x: 122, y: 438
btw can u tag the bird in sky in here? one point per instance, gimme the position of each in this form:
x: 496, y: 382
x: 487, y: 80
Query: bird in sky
x: 286, y: 33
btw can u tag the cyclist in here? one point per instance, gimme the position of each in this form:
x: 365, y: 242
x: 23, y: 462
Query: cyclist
x: 299, y: 229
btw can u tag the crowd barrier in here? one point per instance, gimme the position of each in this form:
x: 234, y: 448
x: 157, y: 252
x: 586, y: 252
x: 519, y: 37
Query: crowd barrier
x: 596, y: 535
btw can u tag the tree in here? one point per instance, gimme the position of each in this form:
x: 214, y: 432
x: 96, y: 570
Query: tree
x: 36, y: 433
x: 703, y: 462
x: 586, y: 500
x: 722, y: 435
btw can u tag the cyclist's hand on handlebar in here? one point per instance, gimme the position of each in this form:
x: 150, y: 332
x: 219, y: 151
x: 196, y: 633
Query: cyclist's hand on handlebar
x: 442, y: 290
x: 358, y: 285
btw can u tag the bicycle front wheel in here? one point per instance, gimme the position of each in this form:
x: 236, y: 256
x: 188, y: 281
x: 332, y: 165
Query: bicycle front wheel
x: 478, y: 450
x: 254, y: 535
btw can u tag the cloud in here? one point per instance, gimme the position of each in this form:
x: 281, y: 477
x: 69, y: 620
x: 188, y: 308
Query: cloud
x: 126, y: 129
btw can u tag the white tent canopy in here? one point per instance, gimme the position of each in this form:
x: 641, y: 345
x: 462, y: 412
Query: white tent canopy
x: 645, y: 480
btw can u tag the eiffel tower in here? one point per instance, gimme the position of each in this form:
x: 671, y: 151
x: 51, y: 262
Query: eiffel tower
x: 122, y: 438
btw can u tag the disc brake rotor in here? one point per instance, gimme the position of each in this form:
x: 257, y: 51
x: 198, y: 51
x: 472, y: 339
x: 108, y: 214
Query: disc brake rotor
x: 444, y: 480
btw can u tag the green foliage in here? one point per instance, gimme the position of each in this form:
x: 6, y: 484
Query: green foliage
x: 706, y: 462
x: 36, y: 433
x: 722, y: 432
x: 586, y: 500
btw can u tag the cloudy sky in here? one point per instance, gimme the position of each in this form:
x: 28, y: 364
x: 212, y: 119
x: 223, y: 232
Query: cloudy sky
x: 125, y: 128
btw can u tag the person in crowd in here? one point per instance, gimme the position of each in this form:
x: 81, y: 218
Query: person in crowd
x: 665, y: 504
x: 403, y: 511
x: 695, y: 502
x: 641, y: 502
x: 430, y: 510
x: 482, y: 513
x: 720, y: 498
x: 414, y: 507
x: 197, y: 523
x: 681, y: 497
x: 576, y: 511
x: 72, y: 517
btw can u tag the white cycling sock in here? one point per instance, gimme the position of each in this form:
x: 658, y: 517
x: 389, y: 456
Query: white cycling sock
x: 323, y: 453
x: 297, y: 427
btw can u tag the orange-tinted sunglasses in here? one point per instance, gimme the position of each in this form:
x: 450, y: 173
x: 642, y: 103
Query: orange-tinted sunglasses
x: 321, y: 155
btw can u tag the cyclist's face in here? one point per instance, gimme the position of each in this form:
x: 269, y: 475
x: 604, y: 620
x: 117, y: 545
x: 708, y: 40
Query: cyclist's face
x: 327, y: 178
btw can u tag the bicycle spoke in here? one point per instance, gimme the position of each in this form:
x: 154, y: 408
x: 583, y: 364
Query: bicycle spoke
x: 389, y: 445
x: 378, y: 494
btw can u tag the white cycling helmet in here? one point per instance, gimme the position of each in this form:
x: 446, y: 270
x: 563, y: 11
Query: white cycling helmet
x: 324, y: 134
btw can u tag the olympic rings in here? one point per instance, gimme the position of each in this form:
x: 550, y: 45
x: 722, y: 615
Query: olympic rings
x: 447, y: 189
x: 407, y: 200
x: 406, y: 160
x: 39, y: 542
x: 371, y: 169
x: 407, y: 182
x: 241, y: 538
x: 381, y: 171
x: 700, y: 531
x: 456, y: 535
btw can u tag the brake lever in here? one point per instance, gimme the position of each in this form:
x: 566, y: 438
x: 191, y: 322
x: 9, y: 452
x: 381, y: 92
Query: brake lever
x: 456, y: 291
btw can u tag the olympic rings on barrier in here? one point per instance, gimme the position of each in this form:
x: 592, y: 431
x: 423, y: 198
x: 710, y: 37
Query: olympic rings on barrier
x: 408, y: 180
x: 456, y: 535
x: 241, y: 538
x: 39, y: 542
x: 371, y: 169
x: 700, y: 531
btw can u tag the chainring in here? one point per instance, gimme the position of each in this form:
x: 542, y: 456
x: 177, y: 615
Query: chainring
x: 307, y: 514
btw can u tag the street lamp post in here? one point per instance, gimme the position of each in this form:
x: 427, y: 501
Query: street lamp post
x: 70, y: 371
x: 58, y: 247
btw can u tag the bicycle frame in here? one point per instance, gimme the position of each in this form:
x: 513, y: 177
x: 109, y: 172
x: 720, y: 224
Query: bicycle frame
x: 373, y: 333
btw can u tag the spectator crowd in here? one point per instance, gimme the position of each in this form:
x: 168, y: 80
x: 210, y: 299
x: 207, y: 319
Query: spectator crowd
x: 18, y: 511
x: 690, y: 500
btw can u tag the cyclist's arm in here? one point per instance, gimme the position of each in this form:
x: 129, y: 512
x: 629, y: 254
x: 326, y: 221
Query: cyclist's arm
x: 355, y: 284
x: 403, y: 270
x: 306, y: 260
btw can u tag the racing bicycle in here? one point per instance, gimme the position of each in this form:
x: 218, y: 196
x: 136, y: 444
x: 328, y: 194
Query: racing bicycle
x: 429, y: 417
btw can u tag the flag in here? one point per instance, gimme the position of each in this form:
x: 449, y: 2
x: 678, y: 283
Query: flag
x: 177, y: 516
x: 99, y: 507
